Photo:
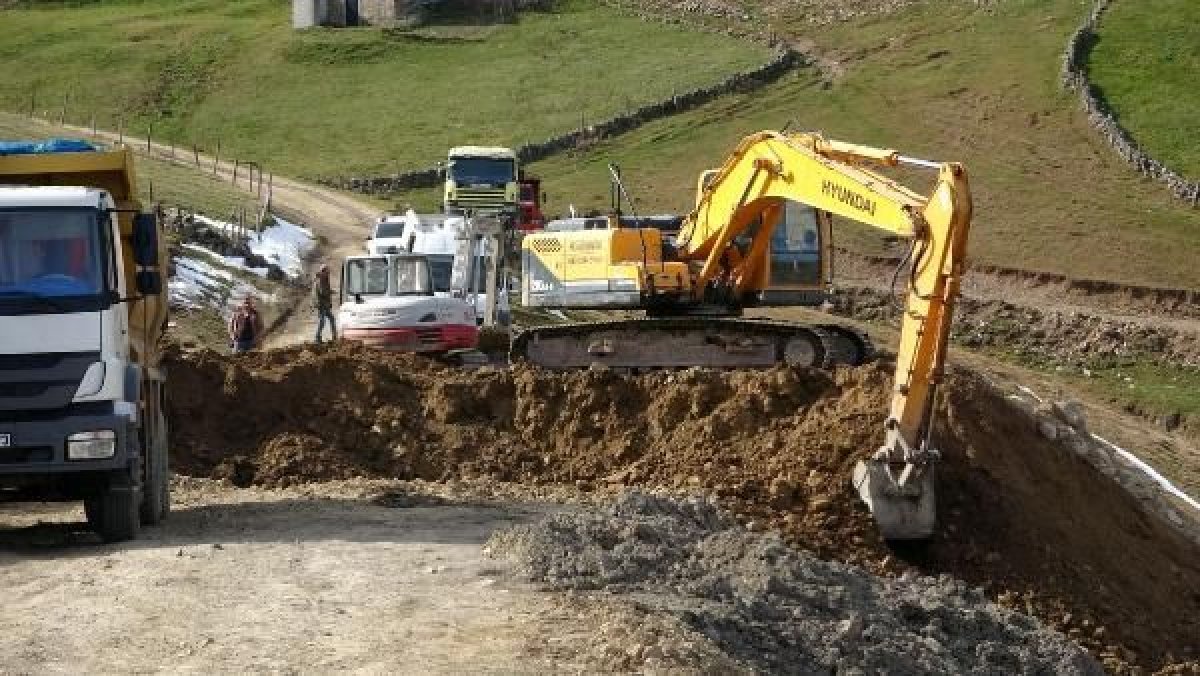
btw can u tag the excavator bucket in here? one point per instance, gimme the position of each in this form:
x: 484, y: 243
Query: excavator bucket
x: 900, y: 496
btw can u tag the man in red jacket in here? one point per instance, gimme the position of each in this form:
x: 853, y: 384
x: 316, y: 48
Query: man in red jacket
x: 245, y: 327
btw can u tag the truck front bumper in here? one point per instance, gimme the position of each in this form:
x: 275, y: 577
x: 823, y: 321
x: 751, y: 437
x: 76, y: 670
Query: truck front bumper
x: 37, y: 445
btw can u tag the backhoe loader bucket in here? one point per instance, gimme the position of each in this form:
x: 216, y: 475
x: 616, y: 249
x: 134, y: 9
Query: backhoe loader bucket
x: 900, y: 496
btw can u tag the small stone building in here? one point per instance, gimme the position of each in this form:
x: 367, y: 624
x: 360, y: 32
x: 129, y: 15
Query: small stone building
x: 309, y: 13
x: 386, y: 13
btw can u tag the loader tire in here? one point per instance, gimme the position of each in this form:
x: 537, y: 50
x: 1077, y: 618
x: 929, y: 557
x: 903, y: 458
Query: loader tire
x: 115, y: 513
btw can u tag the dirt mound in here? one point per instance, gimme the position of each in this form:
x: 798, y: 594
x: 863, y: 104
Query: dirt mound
x: 776, y: 609
x: 1033, y: 524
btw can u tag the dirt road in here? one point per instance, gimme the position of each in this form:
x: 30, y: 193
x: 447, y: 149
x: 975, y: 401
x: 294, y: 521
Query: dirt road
x: 256, y: 581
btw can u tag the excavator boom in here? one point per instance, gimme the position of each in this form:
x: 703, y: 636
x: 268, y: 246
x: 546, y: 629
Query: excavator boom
x: 719, y: 263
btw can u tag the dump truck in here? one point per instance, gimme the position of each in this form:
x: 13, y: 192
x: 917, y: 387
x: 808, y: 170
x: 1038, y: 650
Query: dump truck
x: 84, y: 309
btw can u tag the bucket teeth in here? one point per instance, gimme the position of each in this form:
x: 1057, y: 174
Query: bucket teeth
x: 900, y: 497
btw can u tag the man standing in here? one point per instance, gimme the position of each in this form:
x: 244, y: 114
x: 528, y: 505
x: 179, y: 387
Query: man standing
x: 323, y: 303
x: 245, y: 327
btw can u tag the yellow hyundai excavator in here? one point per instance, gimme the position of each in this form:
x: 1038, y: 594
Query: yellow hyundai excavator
x: 693, y: 290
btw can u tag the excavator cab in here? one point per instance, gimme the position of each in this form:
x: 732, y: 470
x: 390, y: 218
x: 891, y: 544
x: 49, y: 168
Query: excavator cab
x: 799, y: 261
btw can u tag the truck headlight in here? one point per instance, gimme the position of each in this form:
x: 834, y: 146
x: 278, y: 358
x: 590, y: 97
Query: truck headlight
x: 94, y: 445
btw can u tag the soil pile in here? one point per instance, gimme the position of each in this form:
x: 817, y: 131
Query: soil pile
x: 776, y: 609
x: 1035, y: 525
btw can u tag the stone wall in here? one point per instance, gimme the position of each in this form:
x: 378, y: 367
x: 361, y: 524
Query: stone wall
x: 1065, y: 423
x: 1074, y: 78
x: 784, y: 61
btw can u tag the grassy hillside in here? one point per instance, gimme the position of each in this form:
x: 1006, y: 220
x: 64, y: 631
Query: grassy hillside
x: 342, y: 101
x: 941, y: 81
x: 1145, y: 65
x: 172, y: 184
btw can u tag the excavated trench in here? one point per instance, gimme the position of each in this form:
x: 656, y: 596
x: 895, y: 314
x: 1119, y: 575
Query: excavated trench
x: 1037, y: 527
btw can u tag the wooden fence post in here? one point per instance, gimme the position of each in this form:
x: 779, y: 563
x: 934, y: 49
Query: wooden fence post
x: 217, y: 157
x: 149, y: 133
x: 62, y: 115
x: 196, y: 155
x: 235, y: 171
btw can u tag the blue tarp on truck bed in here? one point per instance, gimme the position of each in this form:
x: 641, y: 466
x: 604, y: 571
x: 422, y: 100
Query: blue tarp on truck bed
x: 56, y: 145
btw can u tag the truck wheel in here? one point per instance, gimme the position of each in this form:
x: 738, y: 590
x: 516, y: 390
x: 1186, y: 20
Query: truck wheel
x: 113, y: 514
x: 156, y: 490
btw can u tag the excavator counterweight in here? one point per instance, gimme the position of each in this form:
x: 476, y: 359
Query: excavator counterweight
x: 693, y: 289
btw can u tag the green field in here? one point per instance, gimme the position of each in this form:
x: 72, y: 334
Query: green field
x: 170, y: 184
x: 1145, y: 65
x: 1049, y: 193
x: 345, y: 101
x: 945, y: 79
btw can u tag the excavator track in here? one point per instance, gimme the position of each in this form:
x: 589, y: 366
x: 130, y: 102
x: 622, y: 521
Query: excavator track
x: 682, y: 342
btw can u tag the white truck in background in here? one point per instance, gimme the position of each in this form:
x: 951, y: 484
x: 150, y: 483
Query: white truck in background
x: 83, y: 310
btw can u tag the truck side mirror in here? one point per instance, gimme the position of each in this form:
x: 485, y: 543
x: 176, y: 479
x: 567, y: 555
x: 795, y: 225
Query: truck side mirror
x: 145, y: 240
x: 149, y: 282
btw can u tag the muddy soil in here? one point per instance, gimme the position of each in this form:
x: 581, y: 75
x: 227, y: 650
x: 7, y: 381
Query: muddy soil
x: 1037, y: 528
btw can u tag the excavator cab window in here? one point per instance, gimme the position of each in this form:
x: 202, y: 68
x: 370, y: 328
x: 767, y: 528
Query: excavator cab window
x: 796, y: 248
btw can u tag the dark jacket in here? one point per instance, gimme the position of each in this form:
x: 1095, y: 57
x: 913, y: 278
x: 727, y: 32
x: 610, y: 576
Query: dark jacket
x: 322, y: 293
x: 243, y: 319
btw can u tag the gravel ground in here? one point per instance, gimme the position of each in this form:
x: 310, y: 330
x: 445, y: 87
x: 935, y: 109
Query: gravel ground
x: 772, y: 608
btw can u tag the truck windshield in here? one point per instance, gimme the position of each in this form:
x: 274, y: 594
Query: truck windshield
x: 52, y: 253
x: 482, y: 171
x: 389, y: 230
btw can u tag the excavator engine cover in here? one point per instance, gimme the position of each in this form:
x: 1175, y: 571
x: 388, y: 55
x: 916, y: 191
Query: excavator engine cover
x: 900, y: 497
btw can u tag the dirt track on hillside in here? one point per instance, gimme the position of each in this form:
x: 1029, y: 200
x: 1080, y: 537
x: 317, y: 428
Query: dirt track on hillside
x: 1036, y: 527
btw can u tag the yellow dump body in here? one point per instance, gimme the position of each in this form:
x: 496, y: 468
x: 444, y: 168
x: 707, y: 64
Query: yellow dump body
x: 110, y: 170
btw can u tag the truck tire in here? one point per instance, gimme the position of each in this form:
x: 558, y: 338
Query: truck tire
x: 113, y: 514
x: 156, y: 490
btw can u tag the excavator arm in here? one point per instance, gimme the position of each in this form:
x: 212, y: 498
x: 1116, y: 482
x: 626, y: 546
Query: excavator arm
x: 767, y: 167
